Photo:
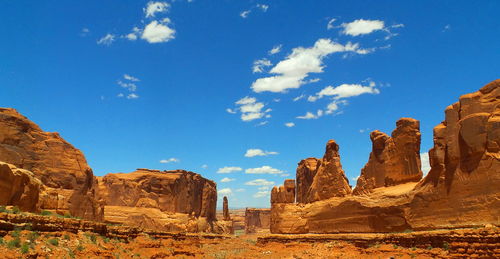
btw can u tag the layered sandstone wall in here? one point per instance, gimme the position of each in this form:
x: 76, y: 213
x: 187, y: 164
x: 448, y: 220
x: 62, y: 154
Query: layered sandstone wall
x: 461, y: 190
x: 169, y: 200
x: 393, y: 160
x: 70, y: 185
x: 257, y: 219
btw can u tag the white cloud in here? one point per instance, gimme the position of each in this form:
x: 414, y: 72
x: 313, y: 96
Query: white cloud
x: 240, y: 190
x: 310, y: 115
x: 263, y: 170
x: 155, y: 7
x: 156, y: 32
x: 259, y: 182
x: 264, y: 122
x: 106, y: 40
x: 263, y: 7
x: 291, y: 72
x: 246, y: 100
x: 131, y: 78
x: 131, y: 36
x: 258, y: 65
x: 245, y: 13
x: 132, y: 96
x: 120, y: 95
x: 330, y: 26
x: 355, y: 178
x: 251, y: 109
x: 361, y: 26
x: 227, y: 180
x: 426, y: 166
x: 298, y: 97
x: 229, y: 169
x: 276, y: 49
x: 225, y: 191
x: 204, y: 166
x: 84, y: 32
x: 263, y: 188
x: 261, y: 194
x: 129, y: 86
x: 259, y: 152
x: 290, y: 124
x: 312, y: 98
x: 347, y: 90
x: 170, y: 160
x: 230, y: 111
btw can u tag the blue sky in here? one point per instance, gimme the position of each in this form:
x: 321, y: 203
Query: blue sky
x: 196, y: 84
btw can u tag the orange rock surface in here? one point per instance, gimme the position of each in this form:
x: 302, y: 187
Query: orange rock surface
x: 393, y: 160
x: 19, y: 187
x: 225, y: 208
x: 70, y: 185
x: 461, y: 190
x: 167, y: 200
x: 257, y: 220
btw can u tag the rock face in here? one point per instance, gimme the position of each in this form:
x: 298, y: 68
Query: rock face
x: 393, y: 160
x: 20, y: 188
x: 257, y: 220
x: 166, y: 200
x: 320, y: 179
x: 225, y: 208
x: 285, y: 193
x: 69, y: 182
x: 462, y: 188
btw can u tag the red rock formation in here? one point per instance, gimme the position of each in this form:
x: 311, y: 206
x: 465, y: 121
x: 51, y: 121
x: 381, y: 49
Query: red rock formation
x: 225, y: 208
x: 70, y: 183
x: 461, y: 190
x: 257, y: 220
x: 284, y: 193
x: 320, y: 179
x: 19, y: 187
x: 168, y: 200
x: 393, y: 160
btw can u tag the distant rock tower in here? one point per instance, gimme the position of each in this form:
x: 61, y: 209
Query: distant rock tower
x: 225, y: 209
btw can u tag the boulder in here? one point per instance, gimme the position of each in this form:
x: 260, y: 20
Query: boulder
x: 19, y: 187
x: 70, y: 183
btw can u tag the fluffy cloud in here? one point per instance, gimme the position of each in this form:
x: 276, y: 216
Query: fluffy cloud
x: 225, y: 191
x: 261, y: 194
x: 290, y: 124
x: 155, y: 7
x: 245, y: 14
x: 275, y: 50
x: 251, y: 109
x: 170, y: 160
x: 229, y: 169
x: 259, y: 152
x: 259, y: 182
x: 129, y: 86
x: 226, y: 180
x: 347, y: 90
x: 258, y: 65
x: 132, y: 96
x: 157, y: 32
x: 291, y: 72
x: 310, y: 115
x: 263, y: 170
x: 426, y: 166
x: 106, y: 40
x: 131, y: 78
x: 361, y: 26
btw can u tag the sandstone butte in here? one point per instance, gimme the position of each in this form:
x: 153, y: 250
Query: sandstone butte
x: 462, y: 188
x: 41, y: 171
x: 257, y: 220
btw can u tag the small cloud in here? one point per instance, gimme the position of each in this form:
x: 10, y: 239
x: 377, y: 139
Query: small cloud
x: 204, y: 166
x: 276, y: 49
x: 245, y: 14
x: 225, y: 191
x: 290, y: 124
x: 310, y: 116
x: 263, y: 188
x: 258, y: 65
x: 259, y: 152
x: 155, y: 7
x: 240, y: 190
x: 251, y: 109
x: 132, y: 96
x: 120, y: 95
x: 227, y: 180
x: 446, y: 27
x: 170, y: 160
x: 84, y: 32
x: 330, y: 26
x: 263, y: 7
x: 355, y: 178
x: 229, y: 169
x: 426, y: 166
x: 230, y: 111
x: 361, y: 27
x: 259, y: 182
x: 299, y: 97
x: 263, y: 170
x: 261, y: 194
x: 130, y: 78
x: 106, y: 40
x: 285, y: 175
x: 364, y: 130
x: 263, y: 122
x: 157, y: 32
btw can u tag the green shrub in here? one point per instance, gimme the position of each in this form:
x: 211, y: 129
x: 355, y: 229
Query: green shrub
x: 45, y: 213
x: 429, y: 247
x: 105, y: 239
x: 14, y: 243
x: 25, y: 248
x: 16, y: 210
x: 446, y: 246
x: 91, y: 237
x: 3, y: 209
x: 71, y: 253
x: 16, y: 233
x: 32, y: 236
x: 2, y: 242
x: 80, y: 248
x: 53, y: 241
x: 66, y: 237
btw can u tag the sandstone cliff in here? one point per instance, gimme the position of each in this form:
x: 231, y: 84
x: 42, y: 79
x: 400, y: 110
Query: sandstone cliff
x: 320, y: 179
x: 461, y: 190
x: 393, y: 160
x: 257, y: 220
x: 69, y: 182
x: 19, y: 188
x: 166, y: 200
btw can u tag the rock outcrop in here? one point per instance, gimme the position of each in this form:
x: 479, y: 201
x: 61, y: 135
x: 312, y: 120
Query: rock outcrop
x: 257, y: 220
x: 69, y: 182
x: 19, y: 187
x: 462, y: 188
x: 393, y: 160
x: 167, y: 200
x: 320, y: 179
x: 284, y: 193
x: 225, y: 208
